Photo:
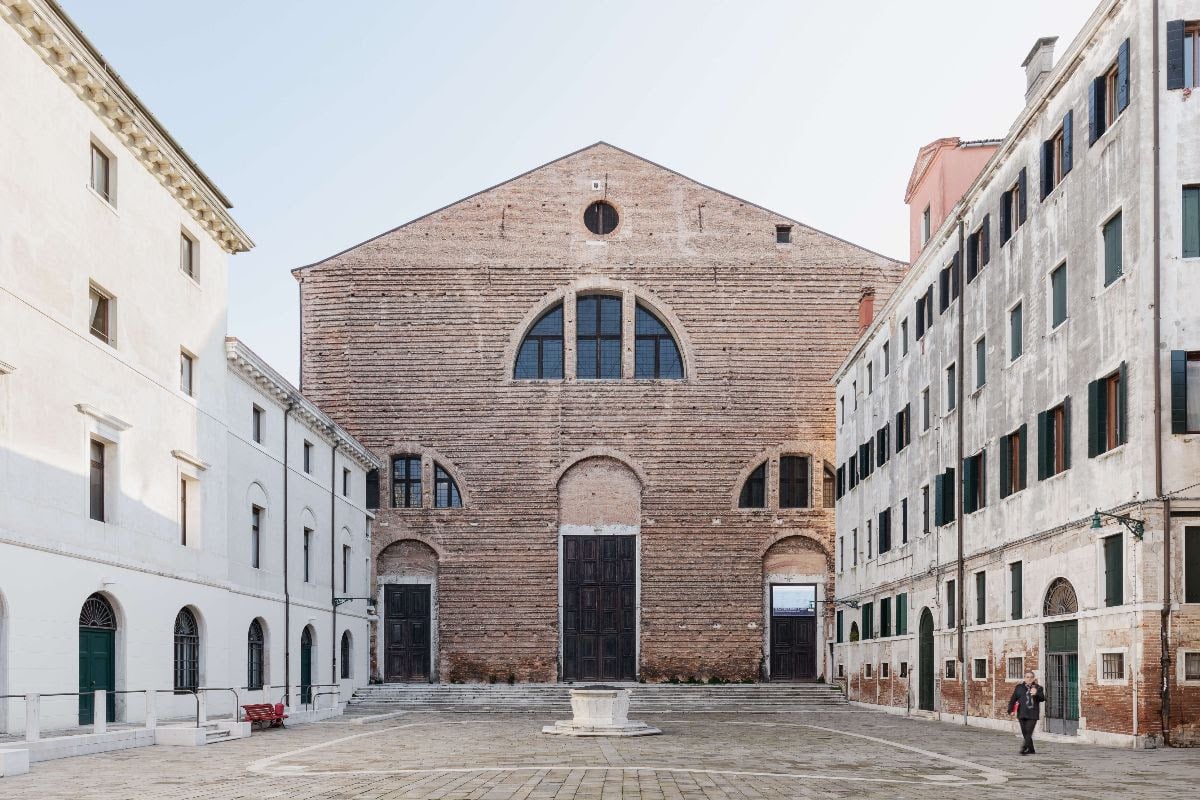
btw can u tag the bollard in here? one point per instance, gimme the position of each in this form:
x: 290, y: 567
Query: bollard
x: 33, y: 714
x: 151, y: 710
x: 100, y: 712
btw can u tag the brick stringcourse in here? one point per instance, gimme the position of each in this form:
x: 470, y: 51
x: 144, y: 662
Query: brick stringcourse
x: 53, y: 36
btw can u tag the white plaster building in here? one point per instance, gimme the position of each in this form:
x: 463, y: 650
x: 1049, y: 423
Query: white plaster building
x: 141, y: 451
x: 1038, y: 364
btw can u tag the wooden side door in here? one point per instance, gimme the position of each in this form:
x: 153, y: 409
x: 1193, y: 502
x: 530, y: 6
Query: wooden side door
x: 925, y: 646
x: 97, y: 670
x: 600, y: 608
x: 407, y: 623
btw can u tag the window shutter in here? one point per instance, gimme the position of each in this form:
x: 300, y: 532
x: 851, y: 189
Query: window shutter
x: 1191, y: 221
x: 907, y: 423
x: 1122, y: 395
x: 1023, y: 190
x: 982, y: 478
x: 1005, y: 466
x: 1123, y: 76
x: 1175, y: 54
x: 987, y: 243
x: 1005, y: 221
x: 1067, y: 433
x: 949, y: 495
x: 1043, y: 445
x: 1095, y: 110
x: 1068, y: 123
x: 1178, y: 391
x: 1023, y: 456
x: 955, y: 275
x: 968, y: 485
x: 899, y: 431
x: 1047, y: 168
x: 1113, y: 570
x: 972, y: 258
x: 1095, y: 418
x: 938, y: 502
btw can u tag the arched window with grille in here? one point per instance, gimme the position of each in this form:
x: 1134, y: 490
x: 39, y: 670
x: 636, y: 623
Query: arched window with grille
x: 598, y: 337
x: 254, y: 656
x: 754, y: 490
x: 187, y: 651
x: 541, y: 353
x: 656, y: 355
x: 344, y: 655
x: 445, y: 490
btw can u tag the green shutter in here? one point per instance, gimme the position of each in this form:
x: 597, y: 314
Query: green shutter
x: 1122, y: 402
x: 1191, y: 221
x: 1191, y: 564
x: 1112, y: 250
x: 950, y: 604
x: 1023, y: 457
x: 839, y: 627
x: 1043, y: 445
x: 1017, y: 590
x: 1067, y: 433
x: 1096, y: 418
x: 1114, y: 572
x: 949, y: 495
x: 885, y: 617
x: 902, y: 611
x: 938, y: 503
x: 980, y: 598
x: 1058, y: 288
x: 969, y: 483
x: 1006, y: 475
x: 1178, y: 391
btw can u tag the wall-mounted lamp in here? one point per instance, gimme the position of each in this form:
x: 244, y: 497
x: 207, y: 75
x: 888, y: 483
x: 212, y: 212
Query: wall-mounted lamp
x: 1135, y: 526
x: 851, y: 604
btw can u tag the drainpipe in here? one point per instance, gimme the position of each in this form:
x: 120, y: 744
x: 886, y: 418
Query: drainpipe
x: 333, y: 640
x: 1165, y: 620
x: 287, y: 596
x: 962, y: 411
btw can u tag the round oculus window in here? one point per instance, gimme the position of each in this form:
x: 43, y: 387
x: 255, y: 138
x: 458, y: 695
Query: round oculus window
x: 600, y: 218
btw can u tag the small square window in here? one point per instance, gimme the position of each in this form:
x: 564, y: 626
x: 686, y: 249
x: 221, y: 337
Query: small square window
x: 1191, y: 666
x: 886, y: 670
x: 950, y: 668
x: 1112, y: 666
x: 980, y: 669
x: 867, y: 670
x: 841, y: 671
x: 783, y: 234
x: 101, y: 180
x: 187, y: 366
x: 1015, y: 668
x: 187, y: 254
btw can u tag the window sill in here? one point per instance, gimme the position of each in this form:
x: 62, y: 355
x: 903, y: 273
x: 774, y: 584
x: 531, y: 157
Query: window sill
x: 107, y: 203
x: 191, y: 277
x: 1110, y: 451
x: 1057, y: 328
x: 1012, y: 362
x: 1119, y: 280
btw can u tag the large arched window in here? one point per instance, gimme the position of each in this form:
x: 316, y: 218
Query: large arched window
x: 598, y: 337
x: 345, y: 655
x: 655, y: 353
x: 541, y: 354
x: 187, y: 651
x: 254, y: 656
x: 754, y: 490
x: 445, y: 490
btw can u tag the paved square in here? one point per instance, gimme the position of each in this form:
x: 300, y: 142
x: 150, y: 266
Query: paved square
x: 450, y: 756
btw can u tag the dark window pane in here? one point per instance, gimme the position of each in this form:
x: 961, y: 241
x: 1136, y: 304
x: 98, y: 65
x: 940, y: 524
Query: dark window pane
x: 793, y: 482
x: 643, y: 362
x: 754, y: 490
x: 1058, y: 286
x: 647, y: 323
x: 670, y: 365
x: 585, y: 316
x: 549, y: 325
x: 585, y: 366
x: 610, y: 358
x: 552, y: 358
x: 96, y: 482
x: 527, y: 360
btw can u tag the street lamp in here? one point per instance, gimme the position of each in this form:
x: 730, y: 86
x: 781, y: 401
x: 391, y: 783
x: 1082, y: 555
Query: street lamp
x: 1135, y: 526
x: 337, y: 601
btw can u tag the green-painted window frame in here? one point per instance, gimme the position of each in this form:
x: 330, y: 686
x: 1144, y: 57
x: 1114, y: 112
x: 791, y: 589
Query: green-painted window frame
x: 1114, y: 570
x: 1191, y: 564
x: 1016, y: 590
x: 1111, y: 233
x: 839, y: 626
x: 902, y: 612
x: 980, y: 598
x: 1058, y: 295
x: 885, y: 617
x: 1191, y: 222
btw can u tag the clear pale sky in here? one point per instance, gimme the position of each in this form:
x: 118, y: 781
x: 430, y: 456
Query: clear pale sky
x: 326, y: 123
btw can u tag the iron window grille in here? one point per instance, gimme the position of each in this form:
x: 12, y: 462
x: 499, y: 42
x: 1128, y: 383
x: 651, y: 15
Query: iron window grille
x: 97, y: 613
x: 187, y: 651
x: 254, y: 656
x: 1113, y: 666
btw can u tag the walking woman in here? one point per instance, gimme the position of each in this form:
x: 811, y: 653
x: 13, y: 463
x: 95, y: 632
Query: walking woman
x: 1024, y: 703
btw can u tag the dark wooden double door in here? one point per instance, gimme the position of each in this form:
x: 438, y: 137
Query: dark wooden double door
x: 793, y: 632
x: 599, y: 608
x: 407, y: 622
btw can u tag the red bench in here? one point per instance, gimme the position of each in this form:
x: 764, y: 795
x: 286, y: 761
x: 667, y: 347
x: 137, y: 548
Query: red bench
x: 264, y: 713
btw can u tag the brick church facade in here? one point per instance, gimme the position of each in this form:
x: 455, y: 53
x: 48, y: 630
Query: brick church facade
x: 602, y: 394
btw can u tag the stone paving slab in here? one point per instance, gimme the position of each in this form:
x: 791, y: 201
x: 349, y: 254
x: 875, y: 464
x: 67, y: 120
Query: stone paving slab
x: 429, y: 756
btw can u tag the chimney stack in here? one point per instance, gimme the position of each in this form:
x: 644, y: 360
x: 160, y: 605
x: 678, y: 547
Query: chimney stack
x: 866, y: 309
x: 1038, y: 64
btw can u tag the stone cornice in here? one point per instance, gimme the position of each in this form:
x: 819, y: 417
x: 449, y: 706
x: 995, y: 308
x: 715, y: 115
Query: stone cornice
x: 47, y: 29
x: 258, y: 372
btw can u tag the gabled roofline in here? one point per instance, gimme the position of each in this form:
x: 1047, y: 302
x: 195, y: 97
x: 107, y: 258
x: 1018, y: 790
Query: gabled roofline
x: 299, y: 270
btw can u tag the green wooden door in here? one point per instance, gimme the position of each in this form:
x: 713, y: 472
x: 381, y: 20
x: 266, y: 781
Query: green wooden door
x: 306, y: 666
x: 97, y: 670
x: 925, y: 700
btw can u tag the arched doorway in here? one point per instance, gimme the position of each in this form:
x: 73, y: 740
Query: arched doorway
x: 255, y: 655
x: 925, y: 661
x: 97, y: 657
x: 599, y: 523
x: 306, y: 663
x: 407, y: 573
x: 795, y: 573
x: 1062, y: 659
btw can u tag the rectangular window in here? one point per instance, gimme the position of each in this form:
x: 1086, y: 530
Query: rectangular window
x: 1191, y: 564
x: 96, y: 481
x: 100, y: 318
x: 980, y: 363
x: 406, y: 482
x: 943, y: 497
x: 1058, y: 296
x: 980, y: 598
x: 1056, y: 156
x: 950, y: 668
x: 345, y: 482
x: 951, y: 601
x: 854, y: 393
x: 904, y: 337
x: 885, y: 531
x: 1013, y: 477
x: 903, y: 669
x: 345, y: 569
x: 183, y: 511
x: 1191, y: 222
x: 926, y: 412
x: 255, y: 537
x: 598, y: 337
x: 841, y: 554
x: 904, y: 521
x: 187, y: 254
x: 854, y: 547
x: 975, y: 482
x: 1111, y: 233
x: 885, y: 670
x: 925, y: 508
x: 1012, y: 208
x: 951, y: 389
x: 1185, y: 391
x: 868, y: 669
x: 1111, y: 83
x: 926, y: 225
x: 1015, y: 344
x: 902, y: 614
x: 307, y: 554
x: 1114, y: 570
x: 256, y: 423
x: 980, y: 669
x: 868, y: 621
x: 839, y: 638
x: 1191, y: 666
x: 783, y: 234
x: 870, y: 552
x: 1113, y: 666
x: 870, y: 378
x: 1106, y: 412
x: 887, y: 358
x: 793, y: 482
x: 1015, y: 590
x: 1015, y: 668
x: 1054, y: 440
x: 372, y: 489
x: 101, y: 174
x: 187, y: 365
x: 903, y: 427
x: 308, y: 454
x: 1189, y: 51
x: 885, y: 617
